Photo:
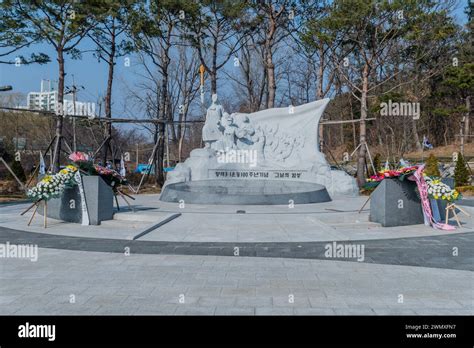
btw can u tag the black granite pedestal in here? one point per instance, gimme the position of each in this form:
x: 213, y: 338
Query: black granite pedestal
x: 396, y: 203
x: 99, y: 199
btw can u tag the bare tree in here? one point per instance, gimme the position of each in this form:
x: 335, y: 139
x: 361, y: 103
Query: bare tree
x: 218, y: 32
x: 183, y: 92
x: 154, y: 34
x: 275, y: 21
x: 111, y: 43
x: 249, y: 76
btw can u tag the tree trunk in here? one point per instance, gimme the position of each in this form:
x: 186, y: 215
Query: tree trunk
x: 108, y: 97
x: 354, y: 135
x: 319, y: 94
x: 213, y: 77
x: 319, y: 90
x: 180, y: 146
x: 213, y: 72
x: 182, y: 132
x: 466, y: 121
x: 362, y: 135
x: 60, y: 111
x: 269, y: 65
x: 158, y: 158
x: 271, y: 80
x: 171, y: 126
x: 342, y: 134
x: 160, y: 179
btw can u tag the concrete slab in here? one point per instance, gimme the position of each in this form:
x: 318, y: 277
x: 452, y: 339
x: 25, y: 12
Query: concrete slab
x: 331, y: 221
x: 344, y: 288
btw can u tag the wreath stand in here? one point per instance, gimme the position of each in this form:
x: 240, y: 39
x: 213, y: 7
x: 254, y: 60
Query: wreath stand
x: 151, y: 161
x: 123, y: 194
x: 45, y: 212
x: 368, y: 153
x: 452, y: 208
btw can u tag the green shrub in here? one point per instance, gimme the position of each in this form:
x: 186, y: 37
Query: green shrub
x: 377, y: 162
x: 461, y: 173
x: 431, y: 166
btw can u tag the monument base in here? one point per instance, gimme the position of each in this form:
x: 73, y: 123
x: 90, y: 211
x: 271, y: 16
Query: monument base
x: 395, y: 203
x: 99, y: 201
x: 258, y: 192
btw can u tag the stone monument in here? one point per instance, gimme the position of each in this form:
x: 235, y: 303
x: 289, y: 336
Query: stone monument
x: 275, y: 149
x: 99, y: 202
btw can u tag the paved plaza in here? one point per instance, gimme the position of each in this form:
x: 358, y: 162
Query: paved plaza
x: 235, y: 260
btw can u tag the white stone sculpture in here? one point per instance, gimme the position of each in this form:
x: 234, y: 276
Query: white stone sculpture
x: 285, y: 141
x: 228, y: 136
x: 212, y: 130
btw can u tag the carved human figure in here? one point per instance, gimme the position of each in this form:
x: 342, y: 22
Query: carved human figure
x: 244, y: 133
x: 212, y: 130
x: 259, y: 143
x: 286, y: 147
x: 228, y: 140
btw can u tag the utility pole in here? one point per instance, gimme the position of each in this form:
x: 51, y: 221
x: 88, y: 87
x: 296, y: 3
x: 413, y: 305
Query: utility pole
x: 137, y: 158
x: 100, y: 99
x: 467, y: 131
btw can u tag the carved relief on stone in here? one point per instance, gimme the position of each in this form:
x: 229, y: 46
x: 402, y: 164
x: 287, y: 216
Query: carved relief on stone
x: 282, y: 142
x: 230, y: 129
x: 244, y: 133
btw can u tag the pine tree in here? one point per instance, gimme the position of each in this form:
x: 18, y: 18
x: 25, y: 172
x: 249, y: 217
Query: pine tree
x: 431, y: 166
x: 62, y: 25
x: 461, y: 173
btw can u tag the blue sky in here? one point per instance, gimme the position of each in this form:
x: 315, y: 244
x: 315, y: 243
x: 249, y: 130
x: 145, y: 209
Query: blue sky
x: 87, y: 72
x: 91, y: 74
